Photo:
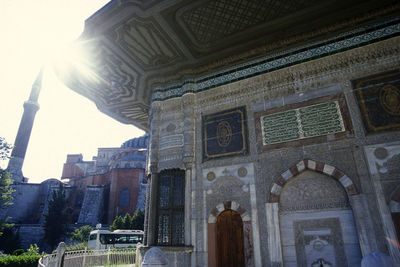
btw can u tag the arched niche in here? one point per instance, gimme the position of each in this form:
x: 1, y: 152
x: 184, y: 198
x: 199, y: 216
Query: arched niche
x: 310, y: 218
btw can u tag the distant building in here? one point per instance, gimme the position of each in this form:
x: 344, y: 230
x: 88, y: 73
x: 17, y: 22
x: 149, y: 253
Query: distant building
x: 111, y: 184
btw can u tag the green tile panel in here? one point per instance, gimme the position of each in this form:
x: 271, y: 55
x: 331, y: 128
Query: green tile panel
x: 315, y: 120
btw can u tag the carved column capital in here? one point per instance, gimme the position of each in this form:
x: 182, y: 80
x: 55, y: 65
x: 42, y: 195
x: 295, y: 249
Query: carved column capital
x: 153, y: 168
x: 188, y: 161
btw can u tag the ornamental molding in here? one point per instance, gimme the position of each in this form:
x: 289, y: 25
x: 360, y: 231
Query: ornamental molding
x: 348, y: 42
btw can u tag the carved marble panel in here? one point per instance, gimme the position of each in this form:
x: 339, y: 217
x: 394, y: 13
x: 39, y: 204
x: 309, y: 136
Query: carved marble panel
x: 244, y: 172
x: 311, y: 190
x: 319, y: 240
x: 171, y: 141
x: 384, y: 163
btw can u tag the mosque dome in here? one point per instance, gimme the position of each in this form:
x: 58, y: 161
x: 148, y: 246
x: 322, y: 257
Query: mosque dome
x: 138, y: 142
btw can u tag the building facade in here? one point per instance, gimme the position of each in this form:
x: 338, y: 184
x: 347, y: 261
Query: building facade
x: 274, y: 126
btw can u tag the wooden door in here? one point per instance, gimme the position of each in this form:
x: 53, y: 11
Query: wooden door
x: 230, y: 252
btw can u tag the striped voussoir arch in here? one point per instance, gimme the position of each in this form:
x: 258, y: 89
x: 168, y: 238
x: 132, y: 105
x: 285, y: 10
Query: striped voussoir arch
x: 228, y: 205
x: 313, y: 165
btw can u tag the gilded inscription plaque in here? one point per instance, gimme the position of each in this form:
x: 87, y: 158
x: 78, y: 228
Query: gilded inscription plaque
x: 305, y: 122
x: 378, y: 97
x: 225, y: 134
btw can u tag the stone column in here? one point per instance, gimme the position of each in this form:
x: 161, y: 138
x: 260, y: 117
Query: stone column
x: 274, y: 235
x: 146, y: 211
x: 188, y: 157
x: 363, y: 221
x: 155, y: 115
x: 188, y: 202
x: 152, y: 209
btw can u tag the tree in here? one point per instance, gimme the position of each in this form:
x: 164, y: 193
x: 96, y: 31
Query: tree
x: 117, y: 223
x: 126, y: 222
x: 138, y: 220
x: 9, y: 241
x: 5, y: 182
x: 81, y: 234
x: 129, y: 222
x: 57, y: 217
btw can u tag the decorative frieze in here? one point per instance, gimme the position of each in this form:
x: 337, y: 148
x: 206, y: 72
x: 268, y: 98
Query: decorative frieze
x: 343, y: 42
x: 171, y: 141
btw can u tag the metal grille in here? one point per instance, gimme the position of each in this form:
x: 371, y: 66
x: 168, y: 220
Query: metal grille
x: 165, y: 189
x: 170, y: 210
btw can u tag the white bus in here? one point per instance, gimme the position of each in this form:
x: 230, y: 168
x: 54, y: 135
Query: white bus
x: 104, y: 239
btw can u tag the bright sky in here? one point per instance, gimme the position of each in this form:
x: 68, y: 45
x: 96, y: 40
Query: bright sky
x: 66, y: 122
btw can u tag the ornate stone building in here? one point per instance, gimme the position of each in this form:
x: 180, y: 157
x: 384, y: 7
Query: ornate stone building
x: 274, y: 125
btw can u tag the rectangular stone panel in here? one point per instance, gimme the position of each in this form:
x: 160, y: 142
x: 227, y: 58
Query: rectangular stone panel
x: 310, y: 121
x: 225, y: 134
x: 318, y: 120
x: 378, y: 98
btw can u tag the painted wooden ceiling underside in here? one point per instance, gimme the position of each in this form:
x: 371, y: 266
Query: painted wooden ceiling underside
x: 135, y: 46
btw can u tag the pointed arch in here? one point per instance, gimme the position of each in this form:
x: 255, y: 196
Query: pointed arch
x: 313, y: 165
x: 228, y: 205
x: 212, y: 231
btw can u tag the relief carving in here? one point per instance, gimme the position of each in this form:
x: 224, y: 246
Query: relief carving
x: 311, y: 190
x: 227, y: 185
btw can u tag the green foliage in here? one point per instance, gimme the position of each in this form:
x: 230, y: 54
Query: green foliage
x: 9, y: 241
x: 18, y: 252
x: 138, y: 220
x: 5, y: 182
x: 129, y: 222
x: 117, y: 223
x: 126, y: 222
x: 56, y: 219
x: 19, y: 261
x: 81, y: 234
x: 33, y: 250
x: 5, y: 149
x: 78, y: 246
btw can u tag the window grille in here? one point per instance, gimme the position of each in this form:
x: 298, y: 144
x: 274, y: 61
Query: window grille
x: 170, y: 208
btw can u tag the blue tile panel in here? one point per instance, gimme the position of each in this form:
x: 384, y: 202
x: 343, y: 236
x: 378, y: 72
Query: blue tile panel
x: 225, y: 134
x: 343, y: 42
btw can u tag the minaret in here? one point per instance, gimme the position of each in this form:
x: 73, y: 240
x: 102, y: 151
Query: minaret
x: 24, y: 132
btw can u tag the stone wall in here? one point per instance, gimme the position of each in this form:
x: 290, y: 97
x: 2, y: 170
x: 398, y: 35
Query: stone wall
x: 25, y: 203
x: 92, y: 207
x: 30, y: 234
